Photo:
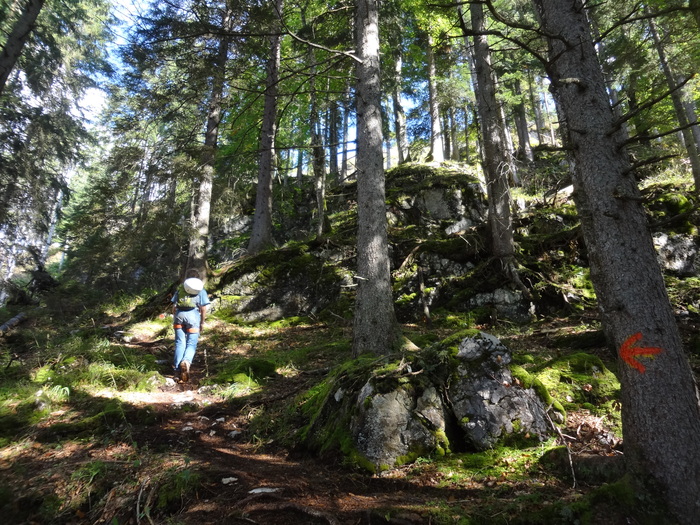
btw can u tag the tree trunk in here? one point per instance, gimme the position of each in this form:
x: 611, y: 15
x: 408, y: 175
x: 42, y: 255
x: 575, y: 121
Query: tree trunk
x: 261, y: 235
x: 318, y: 158
x: 197, y: 256
x: 536, y: 107
x: 641, y: 125
x: 454, y: 134
x: 467, y: 149
x: 494, y: 152
x: 333, y: 140
x: 346, y: 125
x: 437, y: 151
x: 399, y: 114
x: 660, y: 409
x: 17, y: 38
x: 300, y: 166
x: 446, y: 137
x: 691, y: 147
x: 375, y: 327
x: 524, y: 149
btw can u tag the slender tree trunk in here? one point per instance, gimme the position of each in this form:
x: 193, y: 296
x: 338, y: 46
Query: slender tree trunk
x: 536, y: 107
x: 641, y: 125
x: 467, y: 149
x: 346, y: 143
x: 691, y: 147
x: 446, y: 137
x: 508, y: 140
x: 375, y: 328
x: 300, y: 165
x: 520, y: 113
x: 494, y: 152
x: 437, y: 151
x: 318, y: 160
x: 17, y: 38
x: 660, y: 409
x: 691, y: 113
x: 261, y: 235
x: 548, y: 120
x: 333, y: 140
x: 399, y: 114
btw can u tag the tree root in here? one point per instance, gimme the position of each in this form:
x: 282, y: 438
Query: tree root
x: 281, y: 505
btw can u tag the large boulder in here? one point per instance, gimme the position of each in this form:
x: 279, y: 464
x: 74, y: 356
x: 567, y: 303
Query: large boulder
x: 484, y: 399
x: 282, y: 283
x: 437, y: 400
x: 449, y: 197
x: 677, y: 253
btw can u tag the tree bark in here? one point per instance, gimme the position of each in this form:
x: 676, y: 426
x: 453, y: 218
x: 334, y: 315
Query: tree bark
x: 17, y: 38
x: 399, y: 114
x: 536, y: 107
x: 347, y: 104
x: 494, y: 151
x: 261, y: 235
x: 437, y: 151
x: 375, y: 327
x: 660, y: 409
x: 197, y: 256
x: 524, y: 149
x: 333, y: 140
x: 318, y: 158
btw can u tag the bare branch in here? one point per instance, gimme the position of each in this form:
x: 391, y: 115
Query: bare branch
x: 639, y: 138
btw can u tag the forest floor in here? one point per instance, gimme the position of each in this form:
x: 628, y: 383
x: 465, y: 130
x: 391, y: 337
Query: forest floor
x: 183, y: 454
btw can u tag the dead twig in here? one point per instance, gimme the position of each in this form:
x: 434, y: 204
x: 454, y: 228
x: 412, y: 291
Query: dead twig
x: 566, y: 444
x: 138, y: 503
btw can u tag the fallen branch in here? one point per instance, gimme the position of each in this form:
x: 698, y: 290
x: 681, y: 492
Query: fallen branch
x: 566, y: 444
x: 138, y: 504
x: 286, y: 505
x: 13, y: 322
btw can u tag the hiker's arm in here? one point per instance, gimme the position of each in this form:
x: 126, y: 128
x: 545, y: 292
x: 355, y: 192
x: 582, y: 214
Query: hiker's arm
x: 203, y: 314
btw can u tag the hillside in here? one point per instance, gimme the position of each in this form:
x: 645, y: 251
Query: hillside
x: 93, y: 428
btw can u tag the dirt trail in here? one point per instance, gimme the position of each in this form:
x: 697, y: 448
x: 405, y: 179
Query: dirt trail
x: 242, y: 483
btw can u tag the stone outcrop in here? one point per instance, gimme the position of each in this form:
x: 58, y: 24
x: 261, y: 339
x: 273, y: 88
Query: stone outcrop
x: 447, y: 398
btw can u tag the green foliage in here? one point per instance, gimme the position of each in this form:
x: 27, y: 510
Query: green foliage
x: 88, y: 472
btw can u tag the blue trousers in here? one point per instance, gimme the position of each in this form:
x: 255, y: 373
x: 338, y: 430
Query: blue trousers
x: 186, y: 325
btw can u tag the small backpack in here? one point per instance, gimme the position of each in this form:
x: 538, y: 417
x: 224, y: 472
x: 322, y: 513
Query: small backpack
x: 185, y: 300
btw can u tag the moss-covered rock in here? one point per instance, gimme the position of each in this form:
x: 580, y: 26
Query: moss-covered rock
x: 455, y: 394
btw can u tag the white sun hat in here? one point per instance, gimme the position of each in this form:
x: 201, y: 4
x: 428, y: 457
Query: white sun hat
x: 193, y: 285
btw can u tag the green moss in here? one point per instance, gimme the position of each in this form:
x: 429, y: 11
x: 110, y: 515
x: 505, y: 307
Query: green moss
x: 578, y: 378
x: 443, y: 442
x: 254, y: 369
x: 452, y: 342
x: 528, y: 380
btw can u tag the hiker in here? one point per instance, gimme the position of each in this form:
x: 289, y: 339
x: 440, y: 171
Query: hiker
x: 189, y: 308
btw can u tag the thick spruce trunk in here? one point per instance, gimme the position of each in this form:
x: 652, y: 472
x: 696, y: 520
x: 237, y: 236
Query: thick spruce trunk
x: 661, y: 413
x: 261, y: 234
x: 197, y: 255
x: 495, y: 155
x: 375, y: 328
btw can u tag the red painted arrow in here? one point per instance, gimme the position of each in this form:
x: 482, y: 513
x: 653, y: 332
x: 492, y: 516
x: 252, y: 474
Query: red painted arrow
x: 629, y: 352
